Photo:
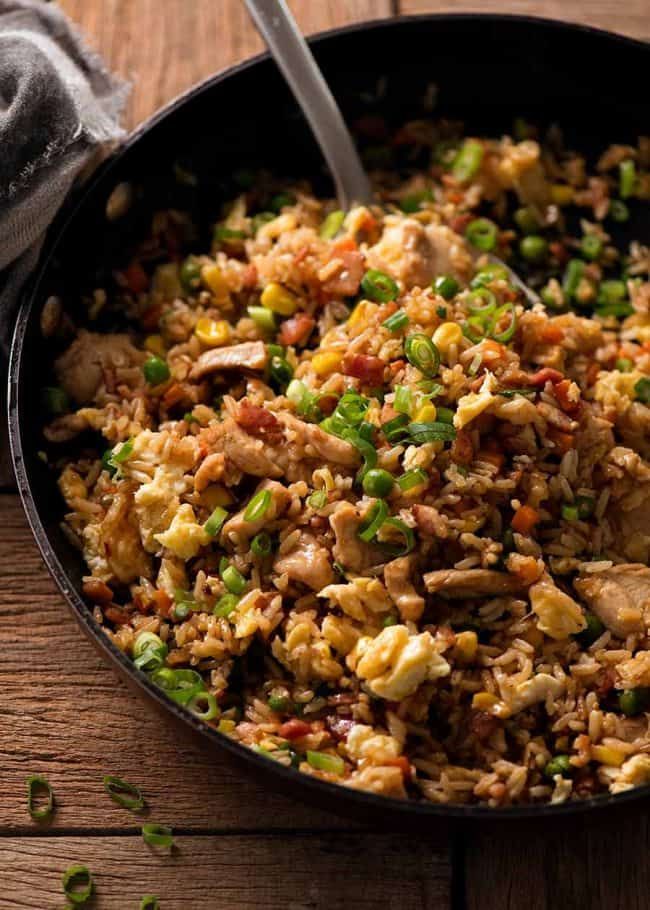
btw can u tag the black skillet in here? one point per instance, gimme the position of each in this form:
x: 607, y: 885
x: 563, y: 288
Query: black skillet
x: 488, y: 69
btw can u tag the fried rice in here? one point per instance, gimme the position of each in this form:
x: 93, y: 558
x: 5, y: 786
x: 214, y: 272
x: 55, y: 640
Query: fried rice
x: 364, y: 508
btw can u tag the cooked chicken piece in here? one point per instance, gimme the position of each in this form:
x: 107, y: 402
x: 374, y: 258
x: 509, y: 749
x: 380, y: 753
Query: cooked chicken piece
x: 209, y: 471
x: 308, y: 562
x: 460, y: 583
x: 415, y: 254
x: 324, y: 445
x: 634, y: 427
x: 250, y: 355
x: 238, y: 530
x: 351, y: 552
x: 65, y: 428
x: 430, y: 522
x: 630, y: 462
x: 620, y: 597
x: 247, y: 453
x: 80, y: 369
x: 397, y: 575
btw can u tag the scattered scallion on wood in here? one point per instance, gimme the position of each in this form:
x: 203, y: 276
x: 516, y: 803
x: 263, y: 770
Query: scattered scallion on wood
x: 157, y: 835
x: 123, y: 793
x: 39, y: 789
x: 77, y: 884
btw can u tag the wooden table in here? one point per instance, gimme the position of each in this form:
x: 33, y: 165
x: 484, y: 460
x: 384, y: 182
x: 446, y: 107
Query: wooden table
x: 64, y: 714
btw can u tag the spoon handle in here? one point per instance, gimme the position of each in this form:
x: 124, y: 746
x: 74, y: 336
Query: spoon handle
x: 291, y: 53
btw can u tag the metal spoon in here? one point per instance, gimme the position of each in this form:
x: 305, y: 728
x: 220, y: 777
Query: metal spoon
x: 289, y: 49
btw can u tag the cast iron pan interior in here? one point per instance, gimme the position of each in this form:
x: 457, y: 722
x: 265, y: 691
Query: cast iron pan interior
x: 488, y: 69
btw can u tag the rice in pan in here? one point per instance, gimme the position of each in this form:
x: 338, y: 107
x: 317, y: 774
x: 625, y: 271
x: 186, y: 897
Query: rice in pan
x: 364, y: 508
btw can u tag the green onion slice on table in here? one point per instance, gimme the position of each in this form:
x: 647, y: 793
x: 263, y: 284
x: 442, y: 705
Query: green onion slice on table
x: 123, y: 793
x: 77, y: 884
x: 157, y: 835
x: 150, y: 902
x: 38, y: 788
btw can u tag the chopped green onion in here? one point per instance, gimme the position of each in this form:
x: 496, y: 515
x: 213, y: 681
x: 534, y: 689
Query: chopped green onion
x: 504, y: 336
x: 261, y: 544
x: 407, y: 534
x: 258, y: 506
x: 379, y: 286
x: 489, y: 273
x: 627, y: 178
x: 179, y: 685
x: 444, y: 415
x: 377, y: 482
x: 411, y: 203
x: 317, y: 499
x: 468, y: 160
x: 446, y: 286
x: 431, y: 432
x: 550, y: 298
x: 106, y: 462
x: 569, y: 513
x: 150, y: 902
x: 38, y: 786
x: 618, y: 211
x: 122, y: 454
x: 190, y: 418
x: 149, y: 652
x: 610, y: 292
x: 482, y: 234
x: 533, y: 248
x: 215, y: 522
x: 642, y: 389
x: 526, y: 220
x: 55, y: 400
x: 572, y: 277
x: 280, y: 371
x: 279, y: 702
x: 124, y: 794
x: 323, y: 761
x: 375, y: 517
x: 624, y: 364
x: 332, y: 225
x: 225, y: 605
x: 395, y: 429
x: 77, y: 884
x: 413, y: 478
x: 592, y: 632
x: 390, y: 620
x: 402, y: 402
x: 475, y: 328
x: 223, y: 234
x: 156, y: 371
x: 190, y: 274
x: 512, y: 393
x: 351, y: 407
x: 397, y: 321
x: 280, y: 200
x: 204, y: 706
x: 366, y: 448
x: 561, y: 765
x: 263, y: 318
x: 157, y: 835
x: 482, y: 303
x: 304, y: 400
x: 619, y: 310
x: 441, y: 311
x: 422, y: 353
x: 233, y: 580
x: 591, y: 246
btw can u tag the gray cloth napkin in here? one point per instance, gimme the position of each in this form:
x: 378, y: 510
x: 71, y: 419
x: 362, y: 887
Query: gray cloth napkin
x: 59, y: 111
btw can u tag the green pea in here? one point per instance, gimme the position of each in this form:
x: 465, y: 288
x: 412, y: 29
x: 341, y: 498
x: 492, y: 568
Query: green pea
x: 377, y: 482
x: 190, y: 274
x: 560, y: 764
x: 279, y: 702
x: 533, y: 248
x: 633, y: 701
x: 526, y: 220
x: 591, y: 246
x: 155, y: 371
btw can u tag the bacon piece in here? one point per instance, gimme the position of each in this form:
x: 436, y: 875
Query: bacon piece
x: 294, y: 729
x: 258, y: 421
x: 370, y: 370
x: 346, y: 280
x: 462, y: 450
x: 97, y: 591
x: 297, y: 329
x: 547, y: 374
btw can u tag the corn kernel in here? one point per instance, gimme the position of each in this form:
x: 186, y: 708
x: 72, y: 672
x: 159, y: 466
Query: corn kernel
x: 155, y: 345
x: 361, y: 313
x: 608, y: 756
x: 279, y: 299
x: 466, y: 645
x: 426, y: 414
x: 327, y: 362
x: 562, y: 194
x: 216, y: 495
x: 483, y: 701
x: 447, y: 334
x: 212, y: 333
x: 226, y: 725
x: 212, y: 277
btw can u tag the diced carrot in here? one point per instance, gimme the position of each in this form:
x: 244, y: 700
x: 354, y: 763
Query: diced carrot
x: 551, y: 334
x: 345, y: 245
x: 163, y: 603
x: 492, y: 351
x: 564, y: 441
x: 527, y: 570
x: 173, y: 395
x: 525, y: 519
x: 561, y: 392
x: 136, y: 278
x: 592, y: 372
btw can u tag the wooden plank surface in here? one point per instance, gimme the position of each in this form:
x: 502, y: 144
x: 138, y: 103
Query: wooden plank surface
x: 64, y: 713
x: 238, y: 873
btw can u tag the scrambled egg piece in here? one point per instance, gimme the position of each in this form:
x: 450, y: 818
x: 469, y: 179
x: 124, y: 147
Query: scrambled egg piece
x: 558, y: 615
x: 539, y: 688
x: 396, y: 663
x: 634, y: 772
x: 185, y: 536
x: 634, y: 672
x: 249, y: 616
x: 367, y: 747
x: 304, y: 651
x: 358, y: 597
x: 474, y: 403
x: 614, y: 388
x: 340, y: 633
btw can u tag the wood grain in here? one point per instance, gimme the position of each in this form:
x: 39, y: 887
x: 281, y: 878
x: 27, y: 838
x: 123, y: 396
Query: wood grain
x: 631, y: 17
x: 163, y: 48
x: 305, y: 872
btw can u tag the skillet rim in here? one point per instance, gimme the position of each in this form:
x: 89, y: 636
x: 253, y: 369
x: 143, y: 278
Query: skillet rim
x: 316, y: 791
